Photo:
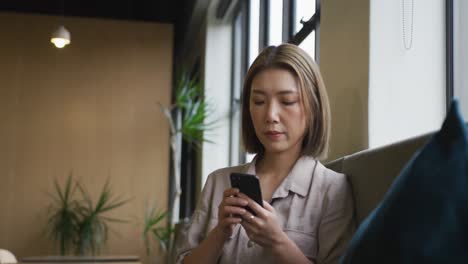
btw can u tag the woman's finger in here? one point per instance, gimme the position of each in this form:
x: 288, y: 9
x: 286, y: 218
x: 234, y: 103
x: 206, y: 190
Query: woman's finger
x: 235, y: 201
x: 250, y: 218
x: 254, y: 235
x: 268, y: 206
x: 249, y: 227
x: 259, y: 211
x: 231, y: 221
x: 230, y: 192
x: 232, y: 210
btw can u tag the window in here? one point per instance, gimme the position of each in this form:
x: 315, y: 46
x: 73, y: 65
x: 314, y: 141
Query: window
x: 254, y: 32
x: 304, y: 11
x: 458, y: 57
x: 189, y: 165
x: 257, y: 24
x: 306, y: 25
x: 308, y: 44
x: 275, y: 26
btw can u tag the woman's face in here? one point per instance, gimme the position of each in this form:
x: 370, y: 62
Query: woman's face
x: 277, y: 111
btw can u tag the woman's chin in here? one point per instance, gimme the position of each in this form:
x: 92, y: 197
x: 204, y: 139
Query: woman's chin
x: 276, y: 149
x: 280, y: 148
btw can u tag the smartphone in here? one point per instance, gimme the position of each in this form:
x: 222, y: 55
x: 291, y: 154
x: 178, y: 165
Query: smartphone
x: 249, y: 185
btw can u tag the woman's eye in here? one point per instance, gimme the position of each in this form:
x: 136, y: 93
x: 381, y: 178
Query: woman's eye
x: 258, y: 102
x: 289, y: 102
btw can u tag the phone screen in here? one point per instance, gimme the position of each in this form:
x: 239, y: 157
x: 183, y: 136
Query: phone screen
x: 249, y: 185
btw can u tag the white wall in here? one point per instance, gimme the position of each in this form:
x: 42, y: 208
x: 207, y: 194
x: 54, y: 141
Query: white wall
x: 461, y: 54
x: 406, y: 87
x: 217, y: 90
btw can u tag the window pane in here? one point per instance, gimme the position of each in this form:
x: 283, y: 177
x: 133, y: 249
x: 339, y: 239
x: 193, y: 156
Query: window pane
x: 275, y: 28
x: 254, y: 29
x: 308, y: 44
x: 460, y: 54
x: 305, y: 9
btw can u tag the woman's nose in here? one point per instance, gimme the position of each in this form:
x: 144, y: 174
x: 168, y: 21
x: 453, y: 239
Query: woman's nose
x: 272, y: 113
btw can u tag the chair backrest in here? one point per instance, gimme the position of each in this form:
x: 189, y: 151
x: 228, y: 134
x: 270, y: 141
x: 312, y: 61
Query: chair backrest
x: 6, y: 257
x: 371, y: 172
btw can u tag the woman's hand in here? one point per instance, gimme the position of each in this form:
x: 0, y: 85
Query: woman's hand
x: 230, y: 211
x: 263, y: 229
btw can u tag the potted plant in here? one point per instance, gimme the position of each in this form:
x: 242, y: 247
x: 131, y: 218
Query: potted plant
x: 77, y: 224
x: 93, y: 227
x: 63, y: 216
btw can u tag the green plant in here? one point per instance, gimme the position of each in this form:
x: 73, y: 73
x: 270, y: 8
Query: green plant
x: 93, y: 227
x: 78, y: 224
x: 195, y: 110
x: 187, y: 119
x: 63, y: 216
x: 156, y: 229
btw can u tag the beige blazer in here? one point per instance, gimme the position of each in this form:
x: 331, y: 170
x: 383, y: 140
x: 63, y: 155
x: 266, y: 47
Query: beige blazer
x: 314, y: 206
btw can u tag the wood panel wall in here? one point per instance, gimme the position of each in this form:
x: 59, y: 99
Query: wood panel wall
x: 88, y: 109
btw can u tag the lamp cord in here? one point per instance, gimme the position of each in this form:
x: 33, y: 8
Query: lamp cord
x: 410, y: 45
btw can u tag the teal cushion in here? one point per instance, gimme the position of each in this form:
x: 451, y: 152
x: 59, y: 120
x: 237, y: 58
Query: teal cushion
x: 423, y: 218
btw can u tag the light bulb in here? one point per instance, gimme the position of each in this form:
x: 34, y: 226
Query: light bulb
x: 60, y: 42
x: 60, y: 37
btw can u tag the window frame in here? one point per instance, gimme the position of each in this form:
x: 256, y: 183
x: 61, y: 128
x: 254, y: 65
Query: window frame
x: 242, y: 8
x: 189, y: 163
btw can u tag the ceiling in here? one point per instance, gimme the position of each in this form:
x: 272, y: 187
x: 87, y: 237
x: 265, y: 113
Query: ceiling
x: 164, y: 11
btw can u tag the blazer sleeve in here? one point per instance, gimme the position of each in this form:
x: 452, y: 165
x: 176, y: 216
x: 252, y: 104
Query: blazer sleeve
x: 337, y: 222
x: 194, y: 233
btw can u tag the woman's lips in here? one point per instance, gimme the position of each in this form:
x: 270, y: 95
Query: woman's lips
x: 274, y: 135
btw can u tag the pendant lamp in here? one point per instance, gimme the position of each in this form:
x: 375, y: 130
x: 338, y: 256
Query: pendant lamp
x: 60, y: 37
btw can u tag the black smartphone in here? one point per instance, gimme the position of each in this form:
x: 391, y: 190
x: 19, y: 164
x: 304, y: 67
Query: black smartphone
x: 249, y: 185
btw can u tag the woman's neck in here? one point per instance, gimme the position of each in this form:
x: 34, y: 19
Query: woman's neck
x: 276, y: 165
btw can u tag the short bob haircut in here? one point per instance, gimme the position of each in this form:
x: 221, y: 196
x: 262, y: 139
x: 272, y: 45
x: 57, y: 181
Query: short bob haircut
x: 312, y: 92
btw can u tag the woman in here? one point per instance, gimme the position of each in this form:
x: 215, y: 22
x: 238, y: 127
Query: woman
x: 307, y: 211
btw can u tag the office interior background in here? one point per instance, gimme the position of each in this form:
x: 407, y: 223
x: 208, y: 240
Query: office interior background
x: 91, y: 109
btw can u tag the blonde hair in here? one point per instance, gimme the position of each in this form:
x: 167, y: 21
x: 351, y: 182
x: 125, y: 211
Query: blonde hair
x: 313, y: 93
